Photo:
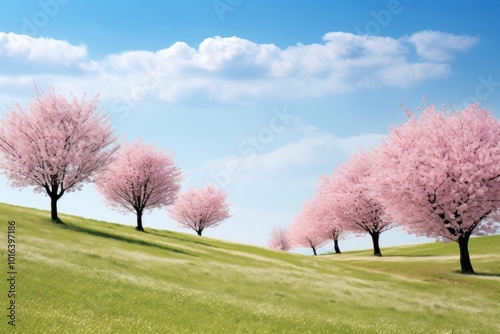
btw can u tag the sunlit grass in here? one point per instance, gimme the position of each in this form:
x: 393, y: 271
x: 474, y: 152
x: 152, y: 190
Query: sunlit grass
x: 87, y: 276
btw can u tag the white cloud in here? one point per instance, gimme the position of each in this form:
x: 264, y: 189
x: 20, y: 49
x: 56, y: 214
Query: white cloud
x: 440, y: 46
x: 233, y: 68
x: 406, y: 75
x: 236, y: 69
x: 314, y: 148
x: 40, y: 50
x: 233, y: 53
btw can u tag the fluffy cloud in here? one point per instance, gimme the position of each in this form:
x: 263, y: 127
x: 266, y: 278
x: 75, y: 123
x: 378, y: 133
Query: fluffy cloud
x: 40, y: 50
x: 235, y: 69
x: 439, y: 46
x: 312, y: 149
x: 405, y: 75
x: 315, y: 148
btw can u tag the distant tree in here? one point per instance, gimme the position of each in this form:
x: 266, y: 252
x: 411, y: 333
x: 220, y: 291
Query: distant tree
x: 199, y: 209
x: 140, y: 179
x: 335, y: 235
x: 352, y: 200
x: 279, y: 239
x: 321, y: 212
x: 439, y: 175
x: 306, y: 232
x: 55, y: 144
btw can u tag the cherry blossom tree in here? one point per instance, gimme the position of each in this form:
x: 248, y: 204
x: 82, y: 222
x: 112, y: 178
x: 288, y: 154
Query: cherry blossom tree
x: 321, y: 212
x: 140, y: 179
x: 439, y: 175
x: 279, y: 239
x: 352, y: 201
x: 199, y: 209
x: 336, y: 232
x: 305, y: 231
x: 55, y: 144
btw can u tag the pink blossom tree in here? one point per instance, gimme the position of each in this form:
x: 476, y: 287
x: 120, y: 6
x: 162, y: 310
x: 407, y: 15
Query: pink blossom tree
x: 352, y: 201
x: 199, y: 209
x: 55, y: 144
x: 140, y: 179
x: 279, y: 239
x: 321, y: 212
x: 439, y: 175
x: 305, y: 231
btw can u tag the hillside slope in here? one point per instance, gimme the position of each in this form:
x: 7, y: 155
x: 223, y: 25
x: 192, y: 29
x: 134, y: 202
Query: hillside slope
x: 87, y: 276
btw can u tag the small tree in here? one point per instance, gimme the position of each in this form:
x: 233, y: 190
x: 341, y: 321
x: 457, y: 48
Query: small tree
x: 439, y: 175
x: 306, y: 232
x: 279, y: 239
x: 199, y: 209
x: 140, y: 179
x: 321, y: 212
x: 335, y: 234
x: 352, y: 199
x: 55, y: 144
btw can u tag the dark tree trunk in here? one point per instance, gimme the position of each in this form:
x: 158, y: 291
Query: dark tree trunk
x: 376, y: 248
x: 53, y: 208
x: 199, y: 232
x: 314, y: 250
x: 139, y: 221
x: 463, y: 243
x: 54, y: 197
x: 336, y: 246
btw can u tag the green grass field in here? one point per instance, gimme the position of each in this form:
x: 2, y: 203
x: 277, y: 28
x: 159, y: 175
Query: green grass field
x: 87, y: 276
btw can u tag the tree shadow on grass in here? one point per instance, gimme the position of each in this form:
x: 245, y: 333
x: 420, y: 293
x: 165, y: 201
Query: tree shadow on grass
x: 487, y: 274
x: 478, y: 274
x: 395, y: 255
x: 120, y: 238
x: 180, y: 239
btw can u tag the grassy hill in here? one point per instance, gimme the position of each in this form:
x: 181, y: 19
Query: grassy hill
x: 87, y: 276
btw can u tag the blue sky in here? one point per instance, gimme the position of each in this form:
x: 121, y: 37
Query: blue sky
x: 258, y: 97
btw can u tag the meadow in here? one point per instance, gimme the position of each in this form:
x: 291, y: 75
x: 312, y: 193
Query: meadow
x: 88, y: 276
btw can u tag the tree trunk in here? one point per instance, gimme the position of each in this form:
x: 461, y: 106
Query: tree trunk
x: 139, y: 221
x: 314, y: 250
x: 54, y: 197
x: 463, y: 243
x: 336, y: 246
x: 199, y: 232
x: 53, y: 208
x: 376, y: 248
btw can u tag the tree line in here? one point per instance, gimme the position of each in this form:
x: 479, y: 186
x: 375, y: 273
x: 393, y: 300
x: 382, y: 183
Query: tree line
x: 55, y: 145
x: 437, y: 175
